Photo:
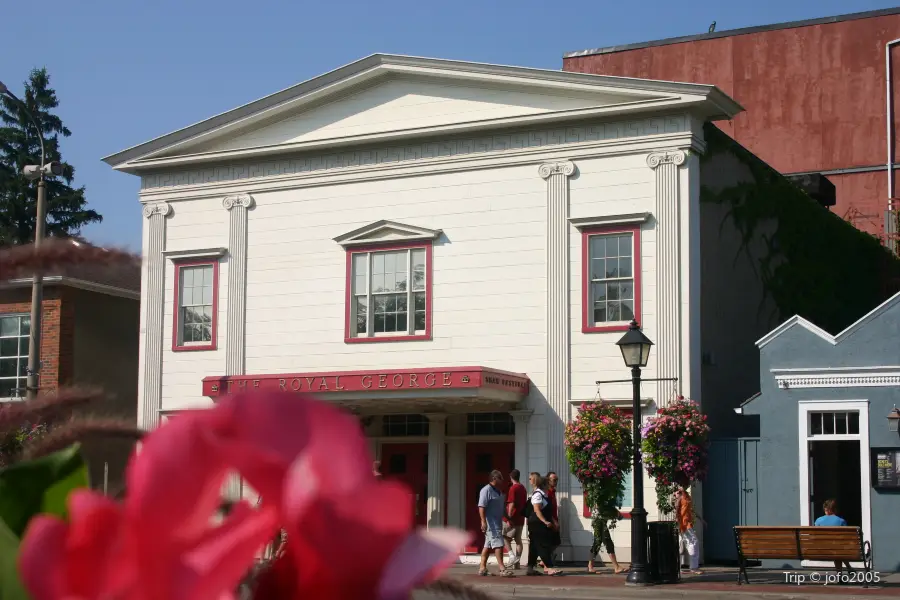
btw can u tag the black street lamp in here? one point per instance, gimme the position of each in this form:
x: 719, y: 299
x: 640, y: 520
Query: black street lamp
x: 635, y: 347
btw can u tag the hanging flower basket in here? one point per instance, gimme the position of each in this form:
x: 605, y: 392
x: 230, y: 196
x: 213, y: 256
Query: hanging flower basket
x: 599, y: 450
x: 675, y: 449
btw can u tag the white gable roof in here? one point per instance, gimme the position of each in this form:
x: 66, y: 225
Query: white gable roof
x: 389, y: 97
x: 798, y: 321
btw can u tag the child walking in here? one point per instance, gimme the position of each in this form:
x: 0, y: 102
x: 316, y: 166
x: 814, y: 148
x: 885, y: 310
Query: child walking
x: 684, y: 513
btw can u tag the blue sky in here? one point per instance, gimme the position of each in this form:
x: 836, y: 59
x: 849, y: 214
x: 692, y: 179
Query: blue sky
x: 128, y: 71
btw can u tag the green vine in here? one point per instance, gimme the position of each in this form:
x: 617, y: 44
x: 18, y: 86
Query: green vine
x: 813, y: 264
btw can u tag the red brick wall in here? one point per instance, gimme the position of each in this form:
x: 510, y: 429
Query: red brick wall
x: 57, y: 328
x: 814, y: 98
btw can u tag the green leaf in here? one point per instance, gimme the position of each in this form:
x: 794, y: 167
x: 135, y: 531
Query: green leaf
x: 40, y: 486
x: 10, y: 585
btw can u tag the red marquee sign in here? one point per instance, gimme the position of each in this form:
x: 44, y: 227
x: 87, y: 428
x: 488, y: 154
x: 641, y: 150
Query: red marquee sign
x: 453, y: 378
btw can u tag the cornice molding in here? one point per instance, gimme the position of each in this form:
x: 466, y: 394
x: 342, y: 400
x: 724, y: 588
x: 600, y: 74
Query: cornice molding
x: 436, y: 149
x: 177, y: 255
x: 564, y: 167
x: 667, y: 157
x: 241, y: 200
x: 837, y: 377
x: 582, y: 223
x: 157, y: 208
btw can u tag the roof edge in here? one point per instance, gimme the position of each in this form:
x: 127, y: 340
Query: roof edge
x: 733, y: 32
x: 728, y: 106
x: 81, y: 284
x: 818, y: 331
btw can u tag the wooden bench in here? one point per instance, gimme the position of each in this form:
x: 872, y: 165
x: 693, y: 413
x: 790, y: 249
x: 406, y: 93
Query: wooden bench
x: 844, y: 544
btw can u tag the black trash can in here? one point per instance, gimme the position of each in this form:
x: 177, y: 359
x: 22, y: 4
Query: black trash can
x: 662, y: 552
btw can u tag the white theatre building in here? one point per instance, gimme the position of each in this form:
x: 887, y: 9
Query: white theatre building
x: 449, y: 249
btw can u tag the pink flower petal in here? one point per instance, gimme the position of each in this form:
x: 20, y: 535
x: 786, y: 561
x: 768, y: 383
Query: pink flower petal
x: 265, y: 432
x: 219, y: 561
x: 95, y: 557
x: 42, y: 558
x: 419, y: 559
x: 175, y: 480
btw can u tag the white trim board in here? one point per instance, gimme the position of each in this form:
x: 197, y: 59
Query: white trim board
x: 804, y: 407
x: 834, y: 377
x: 821, y: 333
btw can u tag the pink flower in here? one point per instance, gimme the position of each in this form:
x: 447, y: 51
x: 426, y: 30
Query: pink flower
x: 161, y: 544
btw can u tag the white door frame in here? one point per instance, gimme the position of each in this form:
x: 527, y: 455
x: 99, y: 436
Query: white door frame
x: 805, y: 407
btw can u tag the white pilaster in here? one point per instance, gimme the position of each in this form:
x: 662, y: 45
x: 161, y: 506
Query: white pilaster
x: 436, y: 467
x: 153, y: 304
x: 669, y: 257
x: 558, y: 327
x: 521, y: 419
x: 237, y: 207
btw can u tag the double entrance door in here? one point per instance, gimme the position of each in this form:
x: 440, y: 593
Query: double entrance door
x: 408, y: 463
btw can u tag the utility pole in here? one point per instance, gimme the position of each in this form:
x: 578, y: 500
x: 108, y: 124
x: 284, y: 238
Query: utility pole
x: 31, y: 173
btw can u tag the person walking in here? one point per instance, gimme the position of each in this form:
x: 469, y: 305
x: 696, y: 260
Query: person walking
x: 552, y: 480
x: 540, y: 528
x: 603, y: 538
x: 491, y: 508
x: 514, y: 520
x: 684, y: 514
x: 830, y: 519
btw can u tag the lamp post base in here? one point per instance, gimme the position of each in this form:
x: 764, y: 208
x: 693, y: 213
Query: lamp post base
x: 638, y: 579
x: 639, y: 575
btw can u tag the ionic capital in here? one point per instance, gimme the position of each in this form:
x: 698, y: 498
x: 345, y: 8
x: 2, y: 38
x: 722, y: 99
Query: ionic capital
x: 242, y: 200
x: 668, y: 157
x: 157, y: 208
x: 565, y: 167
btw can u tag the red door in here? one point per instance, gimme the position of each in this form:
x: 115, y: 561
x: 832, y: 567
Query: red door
x: 481, y: 459
x: 409, y: 463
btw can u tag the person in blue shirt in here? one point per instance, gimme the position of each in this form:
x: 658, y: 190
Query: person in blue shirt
x: 830, y: 519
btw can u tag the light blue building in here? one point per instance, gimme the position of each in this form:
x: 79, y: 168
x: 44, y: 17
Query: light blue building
x: 825, y: 426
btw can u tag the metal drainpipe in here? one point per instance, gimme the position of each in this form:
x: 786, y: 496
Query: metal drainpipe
x: 890, y: 122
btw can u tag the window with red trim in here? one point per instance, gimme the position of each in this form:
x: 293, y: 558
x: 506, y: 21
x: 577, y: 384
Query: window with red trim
x: 388, y: 293
x: 611, y: 278
x: 196, y: 301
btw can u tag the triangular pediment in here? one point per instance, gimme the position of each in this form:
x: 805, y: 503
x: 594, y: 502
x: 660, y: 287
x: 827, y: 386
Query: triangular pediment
x: 410, y: 104
x: 391, y: 98
x: 386, y: 231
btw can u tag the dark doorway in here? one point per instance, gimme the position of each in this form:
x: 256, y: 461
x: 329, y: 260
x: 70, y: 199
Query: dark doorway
x: 834, y: 473
x: 481, y: 459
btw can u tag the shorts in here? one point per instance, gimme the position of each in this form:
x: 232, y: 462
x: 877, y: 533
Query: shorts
x: 512, y: 532
x: 493, y: 539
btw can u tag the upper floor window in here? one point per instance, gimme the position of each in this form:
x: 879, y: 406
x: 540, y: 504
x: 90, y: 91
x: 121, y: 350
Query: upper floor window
x: 14, y: 332
x: 389, y: 293
x: 196, y: 299
x: 611, y: 278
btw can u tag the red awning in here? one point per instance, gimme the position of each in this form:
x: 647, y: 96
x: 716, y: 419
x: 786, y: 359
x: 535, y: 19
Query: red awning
x: 437, y: 383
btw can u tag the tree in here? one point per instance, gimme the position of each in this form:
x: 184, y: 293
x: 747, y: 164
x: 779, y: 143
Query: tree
x: 20, y: 146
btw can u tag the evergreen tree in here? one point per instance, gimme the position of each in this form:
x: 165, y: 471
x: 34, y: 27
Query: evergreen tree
x: 19, y: 146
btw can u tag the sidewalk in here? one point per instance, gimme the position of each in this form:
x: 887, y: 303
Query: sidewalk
x: 715, y: 582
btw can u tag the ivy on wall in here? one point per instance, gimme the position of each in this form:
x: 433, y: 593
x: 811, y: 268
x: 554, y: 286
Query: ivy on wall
x: 813, y: 264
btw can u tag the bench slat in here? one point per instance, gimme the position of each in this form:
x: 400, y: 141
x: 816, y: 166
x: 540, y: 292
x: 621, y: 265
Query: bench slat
x: 809, y: 543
